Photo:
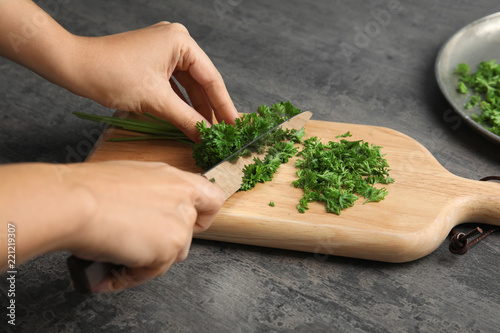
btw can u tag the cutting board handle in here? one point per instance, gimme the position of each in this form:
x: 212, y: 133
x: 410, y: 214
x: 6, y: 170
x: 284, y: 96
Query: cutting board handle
x: 483, y: 204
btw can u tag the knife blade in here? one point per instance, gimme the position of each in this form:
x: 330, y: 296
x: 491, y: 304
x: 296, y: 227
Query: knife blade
x: 227, y: 174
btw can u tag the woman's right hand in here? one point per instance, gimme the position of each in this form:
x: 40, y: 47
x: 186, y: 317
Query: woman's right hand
x: 143, y: 216
x: 138, y: 214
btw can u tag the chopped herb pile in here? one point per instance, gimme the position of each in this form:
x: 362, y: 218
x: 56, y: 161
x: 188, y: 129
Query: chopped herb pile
x: 334, y: 172
x: 278, y: 152
x: 485, y: 86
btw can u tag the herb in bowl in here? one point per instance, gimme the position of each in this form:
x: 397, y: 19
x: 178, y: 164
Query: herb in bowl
x: 484, y: 84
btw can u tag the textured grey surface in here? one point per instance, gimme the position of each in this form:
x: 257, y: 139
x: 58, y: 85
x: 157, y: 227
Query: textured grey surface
x: 267, y: 52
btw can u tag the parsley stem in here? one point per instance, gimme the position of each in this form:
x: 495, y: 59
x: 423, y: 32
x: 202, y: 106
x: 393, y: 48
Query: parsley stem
x: 163, y: 121
x: 152, y: 137
x: 161, y: 128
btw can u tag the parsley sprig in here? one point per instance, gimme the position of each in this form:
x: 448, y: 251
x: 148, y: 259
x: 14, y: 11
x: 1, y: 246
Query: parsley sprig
x: 221, y: 140
x: 485, y: 86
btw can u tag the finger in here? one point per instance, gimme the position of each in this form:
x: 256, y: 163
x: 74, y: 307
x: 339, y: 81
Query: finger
x: 125, y: 277
x: 177, y: 90
x: 208, y: 201
x: 180, y: 114
x: 196, y: 94
x: 183, y: 254
x: 204, y: 72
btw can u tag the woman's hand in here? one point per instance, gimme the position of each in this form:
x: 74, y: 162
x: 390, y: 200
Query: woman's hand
x: 133, y: 71
x: 144, y: 217
x: 138, y: 214
x: 130, y: 71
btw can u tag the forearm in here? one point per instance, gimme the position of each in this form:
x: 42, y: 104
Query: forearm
x: 30, y: 37
x: 138, y: 214
x: 48, y: 212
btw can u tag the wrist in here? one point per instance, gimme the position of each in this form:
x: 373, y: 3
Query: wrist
x: 49, y: 212
x: 79, y: 206
x: 68, y: 208
x: 36, y: 41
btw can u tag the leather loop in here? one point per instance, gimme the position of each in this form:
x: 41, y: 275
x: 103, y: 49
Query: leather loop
x: 460, y: 242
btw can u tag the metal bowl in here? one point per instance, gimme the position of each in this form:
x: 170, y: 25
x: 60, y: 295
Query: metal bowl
x: 479, y: 41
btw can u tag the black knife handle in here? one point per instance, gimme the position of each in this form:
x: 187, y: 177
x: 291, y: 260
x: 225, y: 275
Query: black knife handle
x: 87, y: 274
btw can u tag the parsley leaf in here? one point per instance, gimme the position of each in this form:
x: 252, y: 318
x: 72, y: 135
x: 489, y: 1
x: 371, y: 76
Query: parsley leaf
x: 345, y: 135
x: 485, y: 84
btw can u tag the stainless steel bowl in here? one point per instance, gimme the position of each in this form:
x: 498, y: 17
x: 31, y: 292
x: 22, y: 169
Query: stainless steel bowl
x: 479, y: 41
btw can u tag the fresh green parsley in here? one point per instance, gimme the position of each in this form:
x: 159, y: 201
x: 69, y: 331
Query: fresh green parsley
x: 345, y: 135
x: 221, y: 140
x: 155, y: 129
x: 485, y: 86
x: 271, y: 203
x: 262, y: 171
x: 336, y: 171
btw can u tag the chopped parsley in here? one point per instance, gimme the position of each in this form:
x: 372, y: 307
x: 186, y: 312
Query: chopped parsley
x: 221, y: 140
x: 335, y: 172
x: 345, y: 135
x: 485, y: 86
x: 262, y: 171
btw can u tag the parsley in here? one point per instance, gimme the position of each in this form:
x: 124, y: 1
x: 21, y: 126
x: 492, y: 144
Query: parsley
x: 271, y: 203
x: 345, y: 135
x: 221, y: 140
x: 155, y: 130
x: 334, y: 172
x: 485, y: 86
x: 462, y: 69
x: 262, y: 171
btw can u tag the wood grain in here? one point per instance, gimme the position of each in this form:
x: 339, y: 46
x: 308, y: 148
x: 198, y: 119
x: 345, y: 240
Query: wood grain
x: 422, y: 206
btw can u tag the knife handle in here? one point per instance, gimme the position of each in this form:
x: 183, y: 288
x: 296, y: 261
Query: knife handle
x: 87, y: 274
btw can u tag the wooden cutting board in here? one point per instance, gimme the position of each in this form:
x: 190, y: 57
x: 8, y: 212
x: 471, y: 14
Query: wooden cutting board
x: 423, y: 205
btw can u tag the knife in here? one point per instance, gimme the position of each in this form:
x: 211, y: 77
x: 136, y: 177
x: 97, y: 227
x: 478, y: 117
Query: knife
x: 227, y: 174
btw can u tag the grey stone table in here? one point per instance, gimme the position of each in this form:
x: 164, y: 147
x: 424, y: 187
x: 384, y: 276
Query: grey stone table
x: 268, y: 51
